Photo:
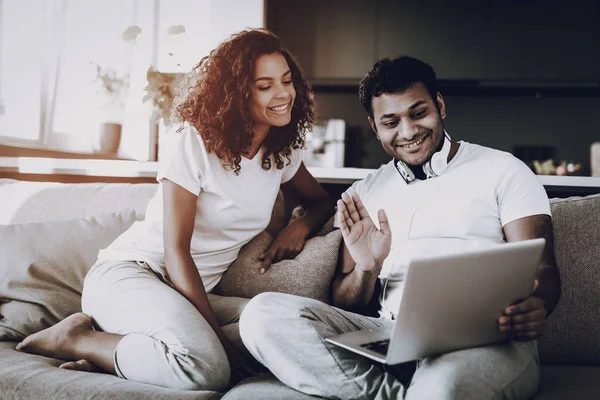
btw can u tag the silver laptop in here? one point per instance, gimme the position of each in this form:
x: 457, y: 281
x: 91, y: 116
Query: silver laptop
x: 451, y: 302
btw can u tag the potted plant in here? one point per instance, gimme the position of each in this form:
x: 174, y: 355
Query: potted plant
x: 111, y: 93
x: 162, y: 88
x: 110, y: 108
x: 161, y: 91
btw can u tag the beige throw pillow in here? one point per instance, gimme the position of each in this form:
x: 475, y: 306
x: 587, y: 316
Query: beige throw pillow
x: 308, y: 275
x: 42, y: 267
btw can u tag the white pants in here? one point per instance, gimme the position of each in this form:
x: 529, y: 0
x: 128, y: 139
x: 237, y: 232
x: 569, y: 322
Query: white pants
x: 286, y: 333
x: 166, y: 340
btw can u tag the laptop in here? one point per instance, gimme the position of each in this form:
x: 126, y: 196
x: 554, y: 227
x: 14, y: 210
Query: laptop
x: 451, y: 302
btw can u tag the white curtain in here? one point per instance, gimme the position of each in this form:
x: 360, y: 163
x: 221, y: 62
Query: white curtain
x: 27, y: 35
x: 94, y: 46
x: 54, y: 32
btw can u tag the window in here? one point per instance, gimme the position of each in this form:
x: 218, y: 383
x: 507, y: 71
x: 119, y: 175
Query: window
x: 105, y: 49
x: 21, y: 56
x: 50, y: 52
x: 59, y: 57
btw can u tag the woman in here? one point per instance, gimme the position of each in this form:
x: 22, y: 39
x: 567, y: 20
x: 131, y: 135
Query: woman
x: 242, y: 125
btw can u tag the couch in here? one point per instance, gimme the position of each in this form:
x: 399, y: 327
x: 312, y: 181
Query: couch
x: 50, y: 234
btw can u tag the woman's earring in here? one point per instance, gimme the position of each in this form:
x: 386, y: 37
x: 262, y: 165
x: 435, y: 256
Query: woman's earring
x: 266, y: 163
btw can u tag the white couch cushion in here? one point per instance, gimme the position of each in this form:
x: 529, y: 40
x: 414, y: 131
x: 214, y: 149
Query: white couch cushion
x: 42, y: 267
x: 30, y: 377
x: 22, y: 202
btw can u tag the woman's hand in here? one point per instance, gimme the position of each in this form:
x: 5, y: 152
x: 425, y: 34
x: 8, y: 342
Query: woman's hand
x: 288, y: 244
x: 318, y: 209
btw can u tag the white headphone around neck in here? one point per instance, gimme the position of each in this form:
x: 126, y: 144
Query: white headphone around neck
x: 435, y: 166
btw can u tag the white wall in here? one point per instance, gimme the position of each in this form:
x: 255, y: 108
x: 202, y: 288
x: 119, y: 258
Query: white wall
x: 206, y: 22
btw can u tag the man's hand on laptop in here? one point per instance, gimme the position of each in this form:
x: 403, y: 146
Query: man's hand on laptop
x: 367, y: 245
x: 524, y: 320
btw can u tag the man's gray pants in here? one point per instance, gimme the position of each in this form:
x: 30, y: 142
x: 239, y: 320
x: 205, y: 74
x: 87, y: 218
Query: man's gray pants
x: 286, y: 333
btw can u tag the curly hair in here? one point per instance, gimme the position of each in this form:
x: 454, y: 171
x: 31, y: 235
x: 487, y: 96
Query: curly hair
x: 395, y: 76
x: 217, y: 96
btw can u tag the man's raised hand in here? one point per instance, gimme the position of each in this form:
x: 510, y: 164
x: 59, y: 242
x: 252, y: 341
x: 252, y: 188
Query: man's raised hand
x: 367, y: 245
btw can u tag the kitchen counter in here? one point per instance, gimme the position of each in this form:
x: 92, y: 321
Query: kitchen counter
x: 79, y: 167
x: 349, y: 175
x: 126, y: 169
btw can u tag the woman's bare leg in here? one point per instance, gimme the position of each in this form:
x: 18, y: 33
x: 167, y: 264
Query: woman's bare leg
x: 74, y: 339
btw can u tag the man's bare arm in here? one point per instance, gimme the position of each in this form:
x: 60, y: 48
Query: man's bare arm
x: 362, y: 254
x: 526, y: 320
x: 548, y: 278
x: 353, y: 288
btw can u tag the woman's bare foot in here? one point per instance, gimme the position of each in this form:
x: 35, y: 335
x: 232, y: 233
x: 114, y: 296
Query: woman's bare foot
x: 81, y: 365
x: 59, y: 340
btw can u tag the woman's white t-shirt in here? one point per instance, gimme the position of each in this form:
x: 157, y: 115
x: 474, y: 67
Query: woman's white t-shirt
x: 230, y: 209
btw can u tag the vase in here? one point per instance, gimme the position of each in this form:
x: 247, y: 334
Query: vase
x: 107, y: 138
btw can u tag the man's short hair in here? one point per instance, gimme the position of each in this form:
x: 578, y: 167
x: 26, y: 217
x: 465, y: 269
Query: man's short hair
x: 395, y: 76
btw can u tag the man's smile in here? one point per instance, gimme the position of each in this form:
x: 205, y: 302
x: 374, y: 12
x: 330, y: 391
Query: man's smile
x: 414, y: 146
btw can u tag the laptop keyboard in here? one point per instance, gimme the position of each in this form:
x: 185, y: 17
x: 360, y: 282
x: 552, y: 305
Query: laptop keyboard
x: 378, y: 346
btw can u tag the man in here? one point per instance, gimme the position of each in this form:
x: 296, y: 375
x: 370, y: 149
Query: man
x: 436, y: 196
